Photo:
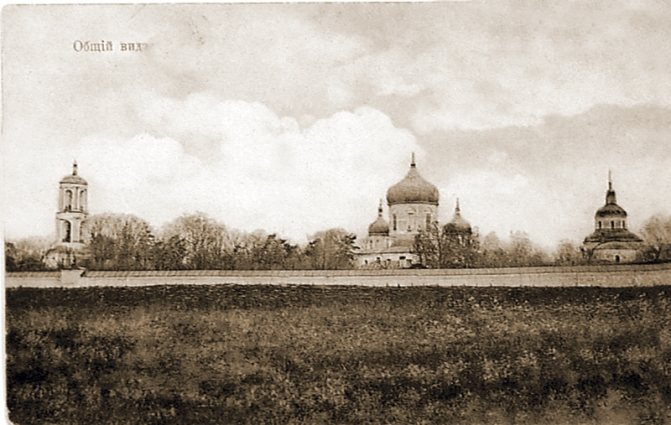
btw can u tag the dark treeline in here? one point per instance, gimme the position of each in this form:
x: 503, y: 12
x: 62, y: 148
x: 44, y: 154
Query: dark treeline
x: 198, y: 242
x: 191, y: 242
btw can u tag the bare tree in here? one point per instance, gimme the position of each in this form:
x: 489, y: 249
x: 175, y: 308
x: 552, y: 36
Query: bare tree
x: 656, y: 233
x: 429, y: 246
x: 449, y: 246
x: 331, y: 249
x: 492, y: 250
x: 568, y: 254
x: 26, y: 254
x: 118, y: 242
x: 205, y: 241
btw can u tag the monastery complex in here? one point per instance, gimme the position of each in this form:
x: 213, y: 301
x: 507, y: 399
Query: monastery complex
x: 412, y: 206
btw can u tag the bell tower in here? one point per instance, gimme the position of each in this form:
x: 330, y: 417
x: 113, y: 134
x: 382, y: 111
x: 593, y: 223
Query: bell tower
x: 72, y: 209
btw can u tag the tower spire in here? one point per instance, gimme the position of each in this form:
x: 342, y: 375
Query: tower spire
x: 379, y: 209
x: 412, y: 160
x: 610, y: 195
x: 74, y: 167
x: 610, y: 179
x: 457, y: 209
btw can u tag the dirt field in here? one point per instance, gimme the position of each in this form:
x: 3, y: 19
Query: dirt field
x: 354, y: 355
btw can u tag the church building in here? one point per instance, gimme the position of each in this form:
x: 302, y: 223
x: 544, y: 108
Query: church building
x: 70, y: 217
x: 412, y: 207
x: 611, y: 241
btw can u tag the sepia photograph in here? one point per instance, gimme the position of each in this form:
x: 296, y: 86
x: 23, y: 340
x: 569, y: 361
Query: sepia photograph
x: 452, y: 212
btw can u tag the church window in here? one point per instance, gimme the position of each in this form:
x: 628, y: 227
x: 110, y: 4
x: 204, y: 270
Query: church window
x: 82, y: 200
x: 68, y: 228
x: 428, y: 220
x: 68, y: 200
x: 599, y: 224
x: 394, y: 221
x: 612, y: 224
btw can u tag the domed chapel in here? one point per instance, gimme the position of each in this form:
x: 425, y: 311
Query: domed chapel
x: 611, y: 241
x: 413, y: 206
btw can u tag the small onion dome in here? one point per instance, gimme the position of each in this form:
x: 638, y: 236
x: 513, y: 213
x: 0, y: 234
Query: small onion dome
x: 458, y: 221
x: 379, y: 227
x: 413, y: 189
x: 73, y: 178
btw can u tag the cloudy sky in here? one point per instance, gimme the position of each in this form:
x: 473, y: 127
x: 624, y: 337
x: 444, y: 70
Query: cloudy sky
x: 297, y: 117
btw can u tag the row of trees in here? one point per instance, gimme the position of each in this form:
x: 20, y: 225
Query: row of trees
x: 26, y: 254
x: 196, y: 241
x: 452, y: 247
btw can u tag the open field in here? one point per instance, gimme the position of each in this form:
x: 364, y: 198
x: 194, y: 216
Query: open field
x: 287, y: 354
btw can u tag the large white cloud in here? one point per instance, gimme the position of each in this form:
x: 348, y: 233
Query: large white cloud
x: 260, y: 170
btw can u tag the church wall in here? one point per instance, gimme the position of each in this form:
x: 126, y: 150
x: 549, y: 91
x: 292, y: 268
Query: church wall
x: 386, y: 260
x: 375, y: 243
x: 413, y: 215
x: 613, y: 255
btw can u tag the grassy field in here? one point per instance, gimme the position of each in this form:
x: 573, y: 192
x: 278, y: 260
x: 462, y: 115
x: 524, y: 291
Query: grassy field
x: 284, y: 355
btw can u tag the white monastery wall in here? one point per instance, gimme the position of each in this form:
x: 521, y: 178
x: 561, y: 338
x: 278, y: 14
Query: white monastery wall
x: 605, y: 276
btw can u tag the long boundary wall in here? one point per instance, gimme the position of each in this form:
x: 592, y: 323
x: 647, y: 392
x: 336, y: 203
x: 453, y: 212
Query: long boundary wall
x: 606, y: 276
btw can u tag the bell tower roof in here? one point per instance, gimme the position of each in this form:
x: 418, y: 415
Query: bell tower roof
x: 74, y: 178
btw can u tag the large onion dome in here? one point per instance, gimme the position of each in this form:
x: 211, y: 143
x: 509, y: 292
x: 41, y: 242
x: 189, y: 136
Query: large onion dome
x: 379, y: 227
x: 74, y: 178
x: 413, y: 189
